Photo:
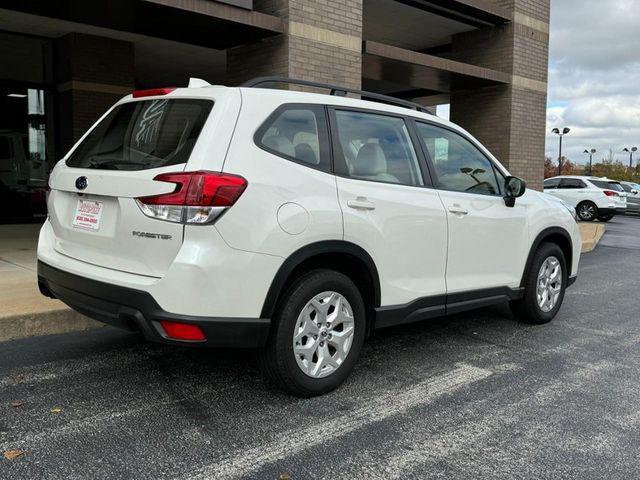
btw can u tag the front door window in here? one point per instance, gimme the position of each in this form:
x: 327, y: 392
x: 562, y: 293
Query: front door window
x: 459, y: 165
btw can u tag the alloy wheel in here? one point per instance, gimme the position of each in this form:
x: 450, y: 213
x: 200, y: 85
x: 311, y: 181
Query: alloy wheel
x: 323, y: 334
x: 549, y: 284
x: 587, y: 212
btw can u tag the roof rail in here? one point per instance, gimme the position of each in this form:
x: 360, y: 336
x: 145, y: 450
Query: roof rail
x: 337, y: 91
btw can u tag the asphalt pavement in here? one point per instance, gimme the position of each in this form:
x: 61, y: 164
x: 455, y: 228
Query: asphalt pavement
x: 476, y: 395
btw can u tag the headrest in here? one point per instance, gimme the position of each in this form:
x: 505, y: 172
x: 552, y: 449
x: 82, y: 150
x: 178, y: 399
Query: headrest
x: 306, y: 154
x: 310, y: 138
x: 370, y: 161
x: 280, y: 144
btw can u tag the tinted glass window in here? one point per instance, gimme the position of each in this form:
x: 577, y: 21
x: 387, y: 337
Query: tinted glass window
x: 297, y: 133
x: 459, y: 165
x: 376, y: 147
x: 600, y: 184
x: 626, y: 188
x: 5, y: 148
x: 552, y: 183
x: 571, y: 183
x: 143, y: 135
x: 607, y: 185
x: 501, y: 178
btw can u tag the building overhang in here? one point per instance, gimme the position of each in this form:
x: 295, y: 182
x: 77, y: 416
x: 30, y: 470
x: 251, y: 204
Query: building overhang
x: 478, y: 13
x: 414, y: 72
x: 199, y: 22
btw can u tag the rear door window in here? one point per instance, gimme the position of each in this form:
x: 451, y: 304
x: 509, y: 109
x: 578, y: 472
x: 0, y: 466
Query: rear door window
x: 375, y: 147
x: 571, y: 183
x: 143, y: 135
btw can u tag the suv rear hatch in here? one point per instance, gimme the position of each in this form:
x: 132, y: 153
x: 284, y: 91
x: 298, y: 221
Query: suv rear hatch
x: 92, y: 205
x: 614, y: 190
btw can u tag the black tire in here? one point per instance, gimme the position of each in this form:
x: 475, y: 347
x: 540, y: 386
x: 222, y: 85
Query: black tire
x: 527, y: 309
x: 587, y: 211
x: 605, y: 218
x: 277, y: 359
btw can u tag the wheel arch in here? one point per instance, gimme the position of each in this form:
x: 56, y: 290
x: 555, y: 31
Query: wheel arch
x: 557, y: 235
x: 340, y: 255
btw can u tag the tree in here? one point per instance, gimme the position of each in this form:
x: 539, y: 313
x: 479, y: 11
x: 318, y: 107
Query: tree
x: 616, y: 170
x: 607, y: 167
x: 568, y: 168
x: 550, y: 168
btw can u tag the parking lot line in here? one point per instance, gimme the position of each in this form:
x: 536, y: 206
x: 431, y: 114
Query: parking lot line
x: 379, y: 409
x: 426, y: 447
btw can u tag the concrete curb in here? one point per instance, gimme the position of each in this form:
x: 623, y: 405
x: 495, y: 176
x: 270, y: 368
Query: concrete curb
x: 591, y: 234
x: 44, y: 323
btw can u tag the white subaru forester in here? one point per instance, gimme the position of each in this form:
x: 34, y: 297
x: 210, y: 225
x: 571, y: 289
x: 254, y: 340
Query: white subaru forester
x: 293, y: 223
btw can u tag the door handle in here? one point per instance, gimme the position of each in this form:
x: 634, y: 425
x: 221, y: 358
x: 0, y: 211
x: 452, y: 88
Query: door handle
x: 458, y: 210
x: 361, y: 203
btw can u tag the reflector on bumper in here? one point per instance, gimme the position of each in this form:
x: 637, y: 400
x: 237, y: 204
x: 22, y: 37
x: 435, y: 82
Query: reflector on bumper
x: 183, y: 331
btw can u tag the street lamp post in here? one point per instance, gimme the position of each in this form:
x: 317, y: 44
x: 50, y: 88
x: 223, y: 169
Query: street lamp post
x: 590, y: 153
x: 557, y: 131
x: 630, y: 152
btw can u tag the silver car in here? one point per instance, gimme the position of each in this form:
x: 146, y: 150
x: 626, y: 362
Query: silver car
x: 633, y: 196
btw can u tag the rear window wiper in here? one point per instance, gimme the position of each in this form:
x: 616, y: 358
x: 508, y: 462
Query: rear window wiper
x: 115, y: 163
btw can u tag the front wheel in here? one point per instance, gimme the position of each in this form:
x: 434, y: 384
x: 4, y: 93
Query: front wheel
x: 587, y: 211
x: 317, y: 334
x: 544, y: 286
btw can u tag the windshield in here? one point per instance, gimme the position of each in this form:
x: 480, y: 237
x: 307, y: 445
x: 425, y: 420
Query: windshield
x: 143, y: 135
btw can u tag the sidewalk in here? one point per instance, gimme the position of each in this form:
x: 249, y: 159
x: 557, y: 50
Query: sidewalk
x: 24, y: 312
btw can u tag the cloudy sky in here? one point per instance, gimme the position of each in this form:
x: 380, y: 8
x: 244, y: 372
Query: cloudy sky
x: 594, y: 77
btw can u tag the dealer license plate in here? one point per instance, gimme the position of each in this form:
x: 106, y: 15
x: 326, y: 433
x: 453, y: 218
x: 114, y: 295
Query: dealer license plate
x: 88, y: 214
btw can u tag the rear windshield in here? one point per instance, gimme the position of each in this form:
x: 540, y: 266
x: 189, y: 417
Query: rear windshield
x: 143, y: 135
x: 607, y: 185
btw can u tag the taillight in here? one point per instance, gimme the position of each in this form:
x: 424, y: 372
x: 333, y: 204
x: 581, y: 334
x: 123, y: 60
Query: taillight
x: 183, y: 331
x: 152, y: 92
x: 610, y: 193
x: 199, y: 197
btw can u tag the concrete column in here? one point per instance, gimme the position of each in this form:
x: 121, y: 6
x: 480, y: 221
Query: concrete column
x: 323, y: 43
x: 510, y: 120
x: 92, y: 73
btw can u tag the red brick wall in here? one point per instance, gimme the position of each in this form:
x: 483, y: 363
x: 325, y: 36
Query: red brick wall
x: 301, y: 57
x: 510, y: 120
x: 92, y: 73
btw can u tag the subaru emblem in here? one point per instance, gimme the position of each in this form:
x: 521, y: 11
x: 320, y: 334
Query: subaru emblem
x: 81, y: 183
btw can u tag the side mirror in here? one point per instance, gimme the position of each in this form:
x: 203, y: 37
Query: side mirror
x: 634, y: 191
x: 514, y: 187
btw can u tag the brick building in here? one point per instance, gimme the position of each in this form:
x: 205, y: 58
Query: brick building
x: 66, y: 61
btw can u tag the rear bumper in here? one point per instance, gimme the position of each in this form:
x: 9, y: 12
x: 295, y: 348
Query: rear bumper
x: 136, y: 310
x: 633, y: 206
